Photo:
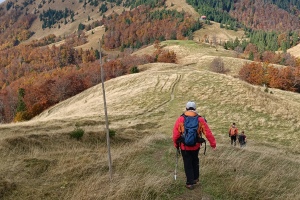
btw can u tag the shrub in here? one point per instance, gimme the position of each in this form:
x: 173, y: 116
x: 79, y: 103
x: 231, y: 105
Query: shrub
x: 77, y: 133
x: 81, y: 27
x: 217, y: 65
x: 134, y: 70
x: 112, y: 133
x: 266, y: 90
x: 166, y: 56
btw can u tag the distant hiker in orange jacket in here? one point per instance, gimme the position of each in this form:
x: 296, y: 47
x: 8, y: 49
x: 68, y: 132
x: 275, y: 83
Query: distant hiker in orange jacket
x: 233, y: 132
x: 190, y: 123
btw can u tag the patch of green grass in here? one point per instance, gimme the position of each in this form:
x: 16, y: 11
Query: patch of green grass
x: 77, y: 133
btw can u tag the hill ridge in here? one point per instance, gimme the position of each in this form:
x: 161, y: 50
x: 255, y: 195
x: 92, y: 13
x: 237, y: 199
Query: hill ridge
x: 142, y: 108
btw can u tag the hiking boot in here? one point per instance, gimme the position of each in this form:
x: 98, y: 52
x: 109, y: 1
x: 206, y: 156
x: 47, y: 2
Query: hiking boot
x: 190, y: 187
x: 196, y: 181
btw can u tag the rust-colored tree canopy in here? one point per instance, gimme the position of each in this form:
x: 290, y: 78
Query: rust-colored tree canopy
x: 285, y: 78
x: 142, y: 26
x: 263, y: 15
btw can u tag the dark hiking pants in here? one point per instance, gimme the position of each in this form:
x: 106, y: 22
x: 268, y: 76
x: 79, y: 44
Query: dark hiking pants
x: 233, y: 140
x: 191, y: 165
x: 242, y: 140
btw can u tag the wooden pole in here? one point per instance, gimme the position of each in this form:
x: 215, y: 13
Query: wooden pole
x: 106, y: 118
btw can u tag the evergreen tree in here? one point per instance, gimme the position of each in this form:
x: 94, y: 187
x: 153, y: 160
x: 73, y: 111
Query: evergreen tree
x: 295, y: 38
x: 21, y: 106
x: 97, y: 54
x: 284, y: 46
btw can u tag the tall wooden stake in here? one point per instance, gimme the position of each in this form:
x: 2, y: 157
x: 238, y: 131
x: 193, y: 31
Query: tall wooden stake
x: 106, y: 118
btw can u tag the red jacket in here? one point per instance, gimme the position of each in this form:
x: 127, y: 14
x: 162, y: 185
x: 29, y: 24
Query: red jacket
x: 203, y: 127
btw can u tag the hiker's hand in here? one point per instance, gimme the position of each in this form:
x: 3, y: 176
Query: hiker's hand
x: 214, y: 148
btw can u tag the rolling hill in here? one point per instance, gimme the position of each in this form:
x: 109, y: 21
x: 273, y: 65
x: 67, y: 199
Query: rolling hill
x: 41, y: 161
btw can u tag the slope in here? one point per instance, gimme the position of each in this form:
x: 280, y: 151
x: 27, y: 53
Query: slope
x: 41, y: 161
x: 87, y: 15
x: 295, y: 51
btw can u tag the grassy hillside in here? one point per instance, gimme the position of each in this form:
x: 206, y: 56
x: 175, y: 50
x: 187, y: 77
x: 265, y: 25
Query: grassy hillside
x: 39, y: 160
x: 295, y: 51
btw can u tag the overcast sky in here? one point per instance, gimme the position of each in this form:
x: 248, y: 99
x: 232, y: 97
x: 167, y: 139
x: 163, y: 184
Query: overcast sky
x: 1, y: 1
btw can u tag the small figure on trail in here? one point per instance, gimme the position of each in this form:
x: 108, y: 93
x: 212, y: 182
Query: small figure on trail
x: 187, y: 138
x: 242, y: 139
x: 233, y: 132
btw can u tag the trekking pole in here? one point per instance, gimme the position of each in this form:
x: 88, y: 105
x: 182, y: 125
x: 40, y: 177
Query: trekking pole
x: 176, y: 165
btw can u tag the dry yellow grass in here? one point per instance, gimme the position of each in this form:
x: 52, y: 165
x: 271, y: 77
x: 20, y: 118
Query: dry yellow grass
x: 40, y: 161
x: 220, y: 34
x: 180, y: 5
x: 295, y: 51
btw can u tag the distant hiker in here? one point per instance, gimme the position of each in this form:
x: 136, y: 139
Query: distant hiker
x: 233, y: 132
x: 191, y: 124
x: 242, y: 139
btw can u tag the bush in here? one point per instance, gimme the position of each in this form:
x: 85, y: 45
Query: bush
x: 167, y: 57
x: 266, y: 90
x: 217, y: 65
x: 112, y: 133
x: 134, y: 70
x: 77, y: 133
x: 81, y: 27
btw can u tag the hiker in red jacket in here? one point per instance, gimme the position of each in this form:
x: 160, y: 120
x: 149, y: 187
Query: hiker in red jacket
x: 190, y: 153
x: 233, y: 133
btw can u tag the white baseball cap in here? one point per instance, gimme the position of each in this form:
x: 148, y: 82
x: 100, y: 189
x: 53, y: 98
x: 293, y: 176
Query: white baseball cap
x: 191, y: 105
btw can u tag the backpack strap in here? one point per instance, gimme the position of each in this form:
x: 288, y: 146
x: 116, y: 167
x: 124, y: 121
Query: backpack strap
x: 201, y: 139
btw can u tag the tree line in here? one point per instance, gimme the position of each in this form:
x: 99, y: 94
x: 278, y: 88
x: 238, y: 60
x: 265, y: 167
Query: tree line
x: 265, y: 41
x: 142, y: 26
x: 217, y: 11
x: 263, y: 73
x: 51, y: 17
x: 270, y: 25
x: 267, y: 15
